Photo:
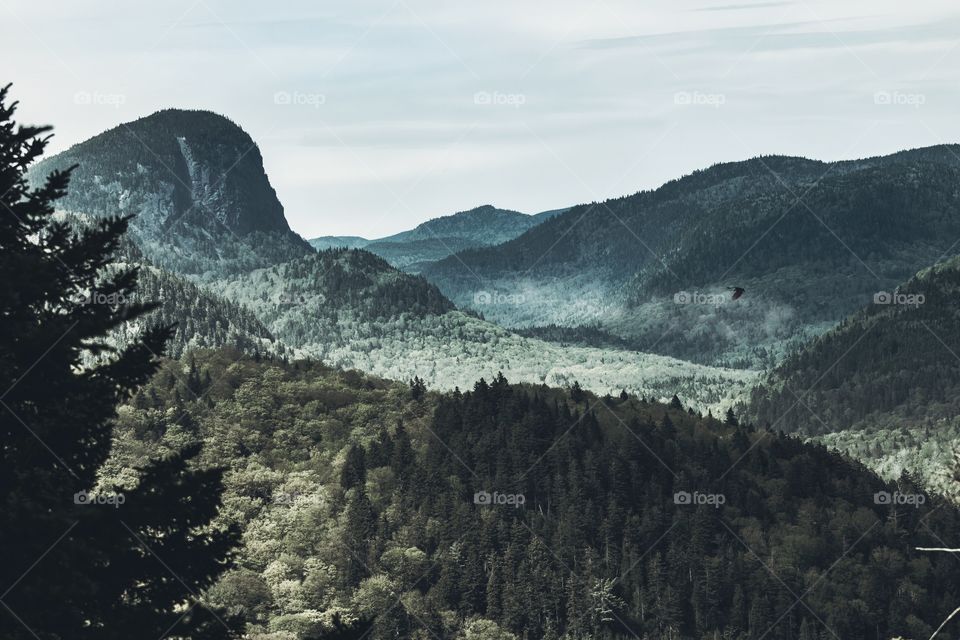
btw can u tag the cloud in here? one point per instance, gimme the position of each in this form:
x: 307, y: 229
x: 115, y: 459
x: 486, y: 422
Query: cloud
x: 743, y: 7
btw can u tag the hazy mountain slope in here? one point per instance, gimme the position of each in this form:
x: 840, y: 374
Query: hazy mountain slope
x: 335, y: 242
x: 620, y: 263
x: 196, y: 184
x: 440, y: 237
x: 353, y: 310
x: 893, y: 361
x: 886, y: 381
x: 358, y: 497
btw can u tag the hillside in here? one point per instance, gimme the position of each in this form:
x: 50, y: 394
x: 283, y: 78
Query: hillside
x: 201, y: 318
x: 353, y: 310
x: 888, y: 378
x: 357, y: 499
x: 194, y: 180
x: 619, y: 264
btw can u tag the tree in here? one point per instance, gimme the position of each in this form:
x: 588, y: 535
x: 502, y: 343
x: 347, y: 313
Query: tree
x: 123, y: 563
x: 418, y: 388
x: 354, y: 471
x: 731, y: 419
x: 576, y: 392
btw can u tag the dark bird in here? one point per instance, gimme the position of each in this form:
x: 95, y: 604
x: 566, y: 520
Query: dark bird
x: 737, y: 292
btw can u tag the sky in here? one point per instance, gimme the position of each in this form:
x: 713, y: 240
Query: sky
x: 373, y: 116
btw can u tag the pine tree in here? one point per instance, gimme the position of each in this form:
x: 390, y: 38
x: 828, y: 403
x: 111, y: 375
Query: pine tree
x: 576, y: 392
x: 74, y: 567
x: 731, y: 419
x: 354, y: 471
x: 360, y: 521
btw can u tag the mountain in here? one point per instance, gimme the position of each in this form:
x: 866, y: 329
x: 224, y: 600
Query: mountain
x: 885, y: 384
x: 810, y: 242
x: 516, y: 511
x: 441, y: 237
x: 196, y: 184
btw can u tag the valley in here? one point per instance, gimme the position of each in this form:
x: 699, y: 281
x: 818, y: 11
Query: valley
x: 363, y: 400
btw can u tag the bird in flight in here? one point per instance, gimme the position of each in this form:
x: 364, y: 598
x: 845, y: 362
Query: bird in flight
x: 737, y: 292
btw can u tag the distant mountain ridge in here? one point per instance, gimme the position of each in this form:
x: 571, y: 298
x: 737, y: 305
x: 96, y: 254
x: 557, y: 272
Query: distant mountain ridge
x: 336, y: 242
x: 438, y: 238
x: 809, y: 241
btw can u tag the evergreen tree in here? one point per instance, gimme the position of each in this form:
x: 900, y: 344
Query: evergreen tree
x: 576, y: 392
x: 76, y: 567
x: 731, y: 419
x: 354, y: 472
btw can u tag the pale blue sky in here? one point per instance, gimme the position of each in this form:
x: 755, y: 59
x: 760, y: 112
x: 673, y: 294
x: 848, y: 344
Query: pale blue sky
x: 404, y: 110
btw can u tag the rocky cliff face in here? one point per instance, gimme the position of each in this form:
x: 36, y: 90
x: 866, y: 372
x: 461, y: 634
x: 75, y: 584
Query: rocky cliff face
x: 195, y: 183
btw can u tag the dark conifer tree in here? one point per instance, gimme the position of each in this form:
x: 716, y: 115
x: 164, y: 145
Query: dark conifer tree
x: 354, y: 472
x: 73, y: 568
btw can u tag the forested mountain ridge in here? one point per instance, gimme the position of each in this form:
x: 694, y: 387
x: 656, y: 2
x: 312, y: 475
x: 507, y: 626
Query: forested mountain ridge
x: 885, y: 384
x: 195, y: 181
x: 358, y: 501
x: 809, y: 241
x: 440, y: 237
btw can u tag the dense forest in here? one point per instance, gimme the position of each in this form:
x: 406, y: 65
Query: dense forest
x: 892, y: 364
x: 358, y: 501
x: 883, y: 386
x: 350, y: 308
